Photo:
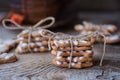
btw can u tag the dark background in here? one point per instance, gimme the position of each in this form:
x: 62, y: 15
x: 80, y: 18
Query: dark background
x: 97, y: 11
x: 80, y: 5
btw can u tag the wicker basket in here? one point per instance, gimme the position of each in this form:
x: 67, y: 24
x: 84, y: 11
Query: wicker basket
x: 34, y: 10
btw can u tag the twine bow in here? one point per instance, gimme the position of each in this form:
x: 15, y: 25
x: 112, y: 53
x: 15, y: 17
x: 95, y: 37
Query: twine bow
x: 37, y: 26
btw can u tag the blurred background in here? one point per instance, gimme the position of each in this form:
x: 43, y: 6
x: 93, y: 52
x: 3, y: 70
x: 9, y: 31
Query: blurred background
x: 66, y: 12
x: 109, y: 5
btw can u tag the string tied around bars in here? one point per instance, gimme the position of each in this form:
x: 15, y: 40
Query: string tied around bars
x: 70, y: 38
x: 37, y: 26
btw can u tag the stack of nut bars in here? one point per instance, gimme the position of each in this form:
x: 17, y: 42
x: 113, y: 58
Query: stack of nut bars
x: 80, y: 56
x: 38, y: 42
x: 108, y: 30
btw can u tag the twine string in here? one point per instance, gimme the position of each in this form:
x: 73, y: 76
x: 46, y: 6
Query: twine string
x: 104, y: 46
x: 104, y: 50
x: 29, y: 40
x: 71, y: 52
x: 17, y: 26
x: 100, y: 30
x: 42, y: 30
x: 52, y: 19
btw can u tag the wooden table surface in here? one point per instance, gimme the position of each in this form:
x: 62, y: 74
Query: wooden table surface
x: 39, y: 66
